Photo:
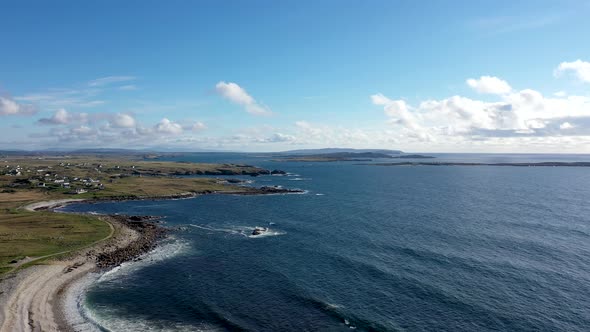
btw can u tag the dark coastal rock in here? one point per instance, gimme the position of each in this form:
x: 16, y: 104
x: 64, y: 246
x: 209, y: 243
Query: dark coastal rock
x: 277, y: 172
x: 234, y: 181
x: 149, y: 234
x: 277, y: 190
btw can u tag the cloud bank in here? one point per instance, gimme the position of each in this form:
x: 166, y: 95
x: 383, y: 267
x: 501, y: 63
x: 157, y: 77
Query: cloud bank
x: 524, y: 113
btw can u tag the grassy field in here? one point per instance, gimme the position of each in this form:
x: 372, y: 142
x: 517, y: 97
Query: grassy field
x: 38, y: 234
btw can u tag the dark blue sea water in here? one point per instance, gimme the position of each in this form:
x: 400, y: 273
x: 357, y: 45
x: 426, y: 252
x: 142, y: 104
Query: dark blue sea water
x: 367, y: 248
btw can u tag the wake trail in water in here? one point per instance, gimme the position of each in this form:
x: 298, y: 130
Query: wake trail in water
x: 245, y: 231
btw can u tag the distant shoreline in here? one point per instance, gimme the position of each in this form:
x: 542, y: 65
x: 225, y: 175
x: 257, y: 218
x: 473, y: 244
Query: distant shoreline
x: 539, y: 164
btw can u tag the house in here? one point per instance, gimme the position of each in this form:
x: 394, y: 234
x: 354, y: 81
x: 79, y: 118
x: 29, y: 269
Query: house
x: 41, y: 184
x: 66, y: 185
x: 80, y: 191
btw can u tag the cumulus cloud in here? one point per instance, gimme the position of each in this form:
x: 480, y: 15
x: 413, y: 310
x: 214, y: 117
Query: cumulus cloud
x: 237, y: 95
x: 11, y: 107
x: 401, y: 115
x: 579, y: 68
x: 62, y: 117
x: 168, y: 127
x: 121, y: 120
x: 514, y: 114
x: 489, y: 85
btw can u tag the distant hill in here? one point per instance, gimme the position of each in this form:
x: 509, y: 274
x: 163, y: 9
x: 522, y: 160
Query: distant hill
x: 340, y: 150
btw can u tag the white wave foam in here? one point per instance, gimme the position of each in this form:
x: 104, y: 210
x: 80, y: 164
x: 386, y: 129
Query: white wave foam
x: 266, y: 234
x: 111, y: 320
x: 85, y: 319
x: 245, y: 231
x: 320, y: 194
x: 74, y: 299
x: 160, y: 253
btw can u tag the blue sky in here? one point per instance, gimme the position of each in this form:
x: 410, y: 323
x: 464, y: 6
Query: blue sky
x: 278, y: 75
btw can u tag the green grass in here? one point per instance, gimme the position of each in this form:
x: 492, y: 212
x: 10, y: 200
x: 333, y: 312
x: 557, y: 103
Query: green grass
x: 37, y: 234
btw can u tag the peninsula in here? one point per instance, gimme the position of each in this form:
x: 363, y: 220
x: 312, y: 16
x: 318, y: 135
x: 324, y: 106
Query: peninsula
x: 42, y: 252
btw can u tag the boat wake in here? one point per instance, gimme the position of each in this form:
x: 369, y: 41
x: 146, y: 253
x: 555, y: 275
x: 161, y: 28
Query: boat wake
x: 245, y: 231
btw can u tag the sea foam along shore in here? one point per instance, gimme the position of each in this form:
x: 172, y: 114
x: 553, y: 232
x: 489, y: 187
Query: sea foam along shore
x: 33, y: 299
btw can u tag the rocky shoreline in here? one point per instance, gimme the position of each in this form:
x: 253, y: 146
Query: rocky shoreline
x: 35, y: 298
x: 149, y: 235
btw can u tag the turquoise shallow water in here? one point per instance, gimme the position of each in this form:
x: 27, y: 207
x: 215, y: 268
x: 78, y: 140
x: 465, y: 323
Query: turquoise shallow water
x: 366, y: 248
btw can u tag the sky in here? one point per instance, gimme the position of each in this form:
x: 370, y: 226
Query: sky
x: 266, y: 75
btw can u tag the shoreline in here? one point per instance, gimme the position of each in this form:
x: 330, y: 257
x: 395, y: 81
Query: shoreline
x: 52, y: 205
x: 39, y: 297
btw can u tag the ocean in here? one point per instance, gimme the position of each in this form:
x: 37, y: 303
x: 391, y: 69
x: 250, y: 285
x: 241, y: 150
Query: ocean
x: 422, y: 248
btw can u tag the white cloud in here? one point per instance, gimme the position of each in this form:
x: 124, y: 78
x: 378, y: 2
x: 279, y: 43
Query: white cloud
x: 168, y: 127
x: 489, y: 85
x: 198, y: 126
x: 526, y: 113
x: 62, y: 117
x: 566, y: 125
x: 103, y: 81
x: 129, y: 87
x: 277, y: 138
x: 237, y: 95
x: 64, y: 98
x: 579, y: 68
x: 11, y: 107
x: 401, y: 115
x: 121, y: 120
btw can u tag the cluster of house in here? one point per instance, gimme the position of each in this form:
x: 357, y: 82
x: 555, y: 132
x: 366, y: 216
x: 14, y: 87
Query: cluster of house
x: 14, y: 170
x: 48, y: 176
x: 82, y: 185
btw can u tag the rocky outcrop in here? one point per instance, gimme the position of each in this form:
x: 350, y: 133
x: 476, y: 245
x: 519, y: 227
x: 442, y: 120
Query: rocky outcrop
x: 273, y: 190
x: 149, y: 234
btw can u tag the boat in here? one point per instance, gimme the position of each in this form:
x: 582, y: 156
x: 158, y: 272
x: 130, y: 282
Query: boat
x: 259, y: 230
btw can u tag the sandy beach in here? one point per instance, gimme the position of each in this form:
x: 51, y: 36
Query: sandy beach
x: 33, y: 299
x: 50, y: 204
